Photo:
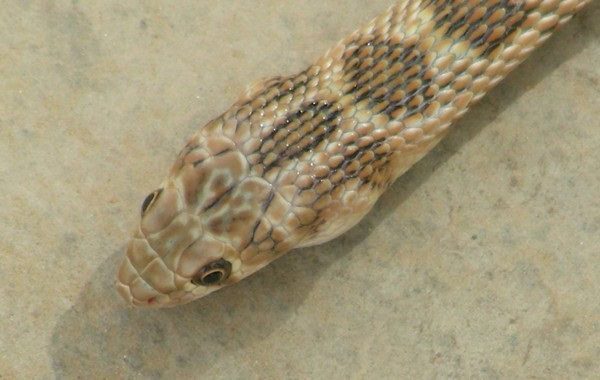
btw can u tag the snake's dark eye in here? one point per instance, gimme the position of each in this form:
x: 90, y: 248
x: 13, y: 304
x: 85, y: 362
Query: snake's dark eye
x: 150, y: 199
x: 213, y: 273
x: 212, y: 277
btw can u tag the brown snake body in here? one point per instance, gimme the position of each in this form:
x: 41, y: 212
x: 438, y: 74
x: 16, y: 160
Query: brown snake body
x: 299, y: 160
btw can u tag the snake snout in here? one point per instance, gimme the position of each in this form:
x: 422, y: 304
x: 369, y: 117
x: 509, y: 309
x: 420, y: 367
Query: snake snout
x: 144, y: 279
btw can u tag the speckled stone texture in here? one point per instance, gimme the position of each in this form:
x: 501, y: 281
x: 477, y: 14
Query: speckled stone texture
x: 483, y: 261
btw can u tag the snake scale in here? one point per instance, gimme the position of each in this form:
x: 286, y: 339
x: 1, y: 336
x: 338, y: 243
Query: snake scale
x: 300, y: 159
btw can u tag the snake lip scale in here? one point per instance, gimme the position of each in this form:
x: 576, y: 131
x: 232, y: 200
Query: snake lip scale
x: 300, y: 159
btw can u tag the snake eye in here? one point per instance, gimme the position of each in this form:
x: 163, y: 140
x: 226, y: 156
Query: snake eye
x: 150, y: 199
x: 213, y: 273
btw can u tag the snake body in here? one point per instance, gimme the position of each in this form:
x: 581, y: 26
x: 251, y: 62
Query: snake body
x: 300, y: 159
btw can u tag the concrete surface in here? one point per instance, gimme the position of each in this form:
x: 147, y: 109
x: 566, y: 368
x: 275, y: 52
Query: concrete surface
x: 482, y: 262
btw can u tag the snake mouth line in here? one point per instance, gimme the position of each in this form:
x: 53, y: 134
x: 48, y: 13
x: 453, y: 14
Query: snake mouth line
x: 152, y: 302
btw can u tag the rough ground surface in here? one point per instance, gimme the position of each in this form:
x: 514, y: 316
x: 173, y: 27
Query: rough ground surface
x: 483, y: 261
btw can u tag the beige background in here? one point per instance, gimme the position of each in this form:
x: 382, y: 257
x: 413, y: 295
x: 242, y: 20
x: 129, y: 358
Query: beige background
x: 483, y: 261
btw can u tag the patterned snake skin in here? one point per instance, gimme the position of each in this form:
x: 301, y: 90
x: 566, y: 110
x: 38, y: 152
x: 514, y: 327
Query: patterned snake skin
x: 299, y: 160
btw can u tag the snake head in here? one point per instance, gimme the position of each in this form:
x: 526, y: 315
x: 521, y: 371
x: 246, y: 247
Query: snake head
x: 196, y: 230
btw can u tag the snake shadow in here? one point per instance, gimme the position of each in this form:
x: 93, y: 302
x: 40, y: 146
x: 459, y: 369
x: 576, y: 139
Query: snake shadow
x: 99, y: 336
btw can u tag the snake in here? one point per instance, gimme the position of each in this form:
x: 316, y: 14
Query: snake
x: 300, y: 159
